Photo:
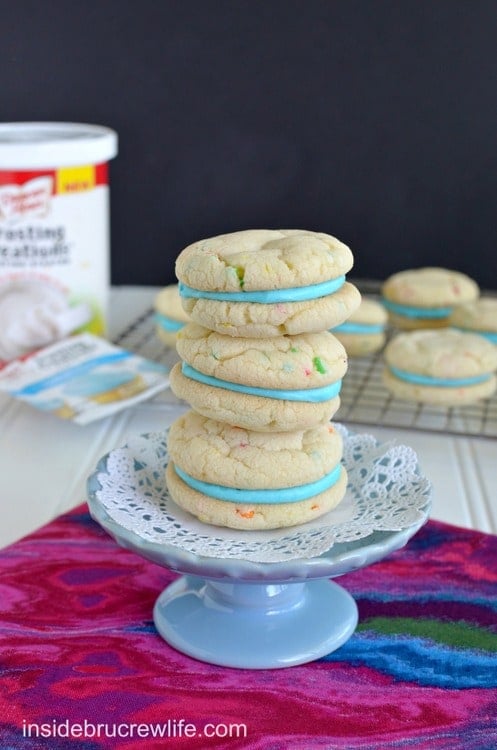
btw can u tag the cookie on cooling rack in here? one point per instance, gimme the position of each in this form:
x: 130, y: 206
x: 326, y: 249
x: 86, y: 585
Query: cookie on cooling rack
x: 425, y: 297
x: 170, y: 317
x: 364, y: 332
x: 280, y: 383
x: 262, y: 283
x: 443, y: 366
x: 241, y: 479
x: 479, y: 317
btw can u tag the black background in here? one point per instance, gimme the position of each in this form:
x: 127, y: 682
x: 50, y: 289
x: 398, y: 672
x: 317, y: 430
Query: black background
x: 373, y: 120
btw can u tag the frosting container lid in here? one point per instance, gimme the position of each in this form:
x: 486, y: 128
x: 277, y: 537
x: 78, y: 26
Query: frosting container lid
x: 48, y: 145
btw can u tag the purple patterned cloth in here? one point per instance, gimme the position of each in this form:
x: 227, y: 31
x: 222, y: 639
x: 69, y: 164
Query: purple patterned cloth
x: 82, y: 666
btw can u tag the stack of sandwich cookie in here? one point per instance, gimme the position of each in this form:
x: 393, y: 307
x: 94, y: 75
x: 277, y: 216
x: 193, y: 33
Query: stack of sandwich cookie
x: 364, y: 332
x: 426, y: 297
x: 263, y: 377
x: 170, y: 317
x: 445, y: 367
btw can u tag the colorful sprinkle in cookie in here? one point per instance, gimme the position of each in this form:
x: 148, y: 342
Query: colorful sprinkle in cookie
x: 242, y: 479
x: 446, y: 367
x: 170, y: 317
x: 262, y: 283
x: 364, y: 332
x: 278, y: 384
x: 479, y: 317
x: 425, y: 297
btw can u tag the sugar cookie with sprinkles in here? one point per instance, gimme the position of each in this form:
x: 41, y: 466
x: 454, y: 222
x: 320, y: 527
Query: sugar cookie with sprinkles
x: 170, y: 317
x: 425, y: 297
x: 365, y: 331
x: 444, y: 366
x: 273, y: 384
x: 263, y: 282
x: 478, y: 317
x: 244, y: 479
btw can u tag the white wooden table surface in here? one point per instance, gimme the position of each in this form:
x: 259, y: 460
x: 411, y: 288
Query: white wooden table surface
x: 44, y: 462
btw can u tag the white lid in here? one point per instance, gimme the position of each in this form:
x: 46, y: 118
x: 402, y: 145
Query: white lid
x: 48, y: 145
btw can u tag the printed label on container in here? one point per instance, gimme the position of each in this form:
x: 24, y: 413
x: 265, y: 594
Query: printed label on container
x: 83, y: 378
x: 54, y: 256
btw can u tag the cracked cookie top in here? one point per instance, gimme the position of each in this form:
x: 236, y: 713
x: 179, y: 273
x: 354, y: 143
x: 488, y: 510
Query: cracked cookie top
x: 263, y: 259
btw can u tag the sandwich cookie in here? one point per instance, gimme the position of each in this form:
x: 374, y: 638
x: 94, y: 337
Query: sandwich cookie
x: 364, y: 332
x: 277, y: 384
x: 426, y: 297
x: 479, y: 317
x: 262, y: 282
x: 445, y: 367
x: 170, y: 317
x: 242, y: 479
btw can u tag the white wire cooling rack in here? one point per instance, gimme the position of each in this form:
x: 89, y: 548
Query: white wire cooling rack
x: 364, y: 398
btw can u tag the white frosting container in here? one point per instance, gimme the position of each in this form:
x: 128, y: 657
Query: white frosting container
x: 54, y: 232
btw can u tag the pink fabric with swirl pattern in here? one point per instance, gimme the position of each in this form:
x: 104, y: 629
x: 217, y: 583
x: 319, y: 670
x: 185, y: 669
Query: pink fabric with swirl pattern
x: 78, y: 644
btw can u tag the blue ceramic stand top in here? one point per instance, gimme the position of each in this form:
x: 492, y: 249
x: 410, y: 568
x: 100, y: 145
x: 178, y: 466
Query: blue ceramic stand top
x: 248, y: 614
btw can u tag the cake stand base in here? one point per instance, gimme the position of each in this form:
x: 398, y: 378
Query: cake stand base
x: 255, y: 625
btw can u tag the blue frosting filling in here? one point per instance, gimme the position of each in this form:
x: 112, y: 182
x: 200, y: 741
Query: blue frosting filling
x: 269, y: 296
x: 358, y: 328
x: 489, y: 335
x: 310, y: 395
x: 417, y: 312
x: 266, y: 497
x: 168, y: 324
x: 411, y: 377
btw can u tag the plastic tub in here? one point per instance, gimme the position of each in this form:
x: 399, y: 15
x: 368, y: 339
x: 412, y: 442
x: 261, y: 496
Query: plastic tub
x: 54, y: 232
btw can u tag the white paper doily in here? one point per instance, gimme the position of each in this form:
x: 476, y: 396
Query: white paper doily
x: 386, y: 492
